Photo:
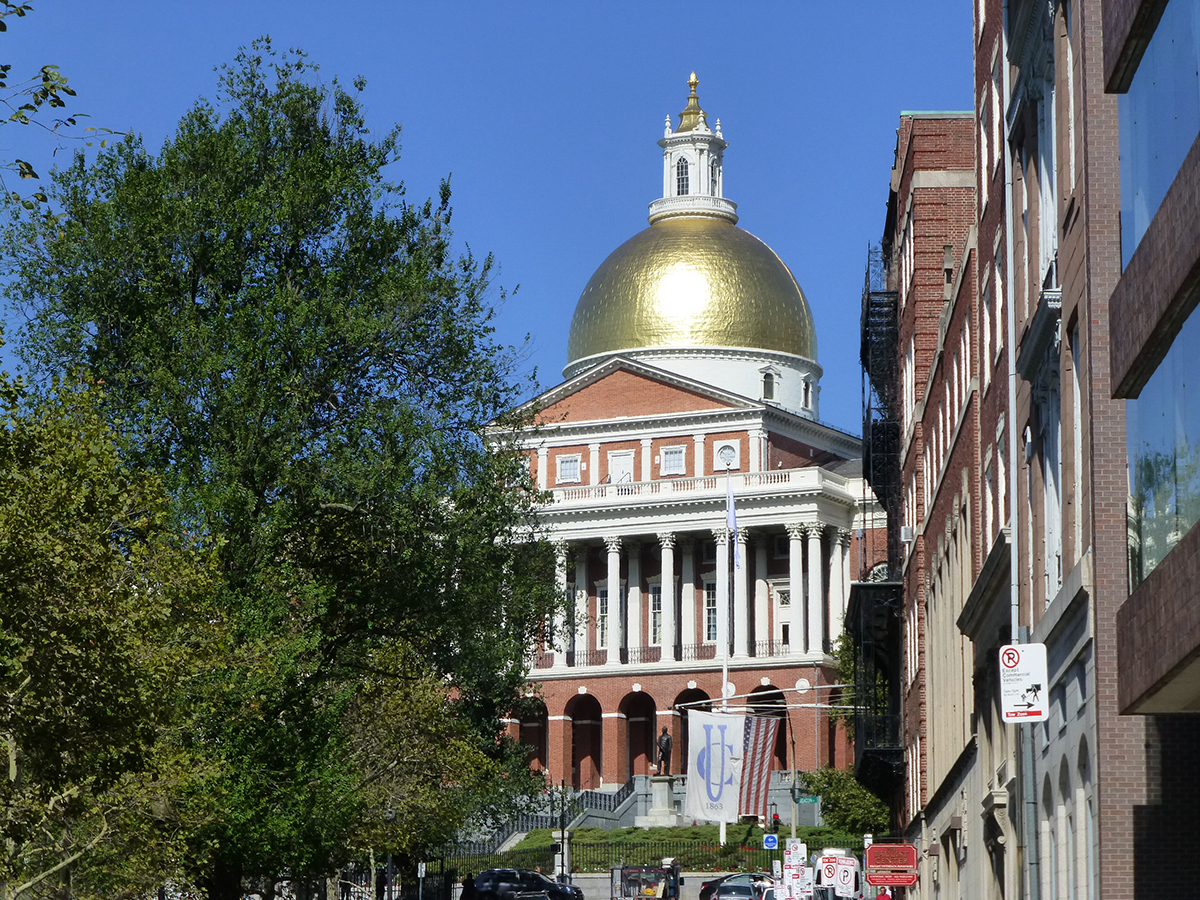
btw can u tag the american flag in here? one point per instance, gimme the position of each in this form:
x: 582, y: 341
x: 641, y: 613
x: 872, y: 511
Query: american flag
x: 758, y: 744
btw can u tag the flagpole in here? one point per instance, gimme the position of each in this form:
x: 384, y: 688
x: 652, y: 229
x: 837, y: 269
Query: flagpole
x: 731, y: 545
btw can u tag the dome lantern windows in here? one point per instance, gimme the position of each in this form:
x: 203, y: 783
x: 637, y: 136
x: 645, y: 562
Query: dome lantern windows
x: 681, y: 178
x: 713, y: 175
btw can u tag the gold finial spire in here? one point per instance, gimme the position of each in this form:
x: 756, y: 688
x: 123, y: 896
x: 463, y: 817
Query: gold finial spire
x: 692, y: 117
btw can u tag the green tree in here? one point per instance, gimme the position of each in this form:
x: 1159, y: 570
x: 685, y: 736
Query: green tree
x: 303, y: 356
x: 845, y: 804
x: 100, y: 618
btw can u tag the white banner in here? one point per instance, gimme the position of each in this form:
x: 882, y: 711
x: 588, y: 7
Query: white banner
x: 714, y: 765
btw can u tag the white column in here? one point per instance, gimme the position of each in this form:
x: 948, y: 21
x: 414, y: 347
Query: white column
x: 633, y: 624
x: 816, y: 602
x: 687, y: 591
x: 613, y: 609
x: 723, y: 541
x: 741, y: 601
x: 666, y: 541
x: 762, y: 591
x: 756, y: 443
x: 581, y: 605
x: 796, y: 587
x: 543, y: 474
x: 593, y: 463
x: 647, y: 462
x: 560, y: 641
x: 837, y: 595
x: 698, y: 449
x: 845, y: 536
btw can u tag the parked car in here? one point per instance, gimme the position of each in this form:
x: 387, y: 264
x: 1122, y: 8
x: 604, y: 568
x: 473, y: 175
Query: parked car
x: 759, y: 882
x: 505, y: 884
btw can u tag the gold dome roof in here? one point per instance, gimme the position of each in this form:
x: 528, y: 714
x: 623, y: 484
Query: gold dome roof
x: 692, y: 282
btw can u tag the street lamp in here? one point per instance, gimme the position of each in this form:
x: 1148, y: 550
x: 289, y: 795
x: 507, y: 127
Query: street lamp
x: 389, y: 815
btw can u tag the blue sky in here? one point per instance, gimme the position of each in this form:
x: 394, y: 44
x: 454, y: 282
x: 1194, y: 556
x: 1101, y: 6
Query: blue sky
x: 546, y: 115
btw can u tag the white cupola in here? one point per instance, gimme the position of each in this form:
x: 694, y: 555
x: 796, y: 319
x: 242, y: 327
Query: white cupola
x: 693, y: 179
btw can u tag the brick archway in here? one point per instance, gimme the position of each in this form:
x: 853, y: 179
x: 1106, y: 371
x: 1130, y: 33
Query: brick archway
x: 587, y: 744
x: 640, y: 715
x: 693, y: 695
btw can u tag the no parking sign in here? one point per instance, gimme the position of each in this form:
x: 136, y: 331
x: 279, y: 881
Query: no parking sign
x: 844, y: 885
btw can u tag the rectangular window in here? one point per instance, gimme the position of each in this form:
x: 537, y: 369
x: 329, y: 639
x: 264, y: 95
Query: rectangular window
x: 567, y: 469
x: 601, y: 618
x: 708, y: 551
x: 710, y: 611
x: 1159, y: 117
x: 672, y: 461
x: 784, y: 595
x: 1162, y: 428
x: 656, y: 614
x: 781, y: 546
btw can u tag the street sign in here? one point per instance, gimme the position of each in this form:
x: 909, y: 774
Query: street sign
x: 892, y: 879
x: 891, y: 856
x: 1023, y: 675
x: 809, y: 799
x: 770, y: 842
x: 420, y: 870
x: 828, y: 870
x: 844, y: 886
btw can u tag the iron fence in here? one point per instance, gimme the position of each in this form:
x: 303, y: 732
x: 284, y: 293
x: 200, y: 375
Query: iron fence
x: 693, y: 856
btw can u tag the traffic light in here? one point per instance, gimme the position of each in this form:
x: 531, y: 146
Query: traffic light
x: 775, y: 823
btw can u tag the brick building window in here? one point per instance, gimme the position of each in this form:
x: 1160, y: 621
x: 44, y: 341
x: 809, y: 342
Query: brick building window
x: 656, y: 614
x: 601, y: 618
x: 672, y: 461
x: 567, y: 469
x: 710, y: 610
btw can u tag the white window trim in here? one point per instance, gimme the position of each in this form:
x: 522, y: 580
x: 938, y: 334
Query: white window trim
x: 558, y: 468
x: 704, y: 638
x: 662, y: 455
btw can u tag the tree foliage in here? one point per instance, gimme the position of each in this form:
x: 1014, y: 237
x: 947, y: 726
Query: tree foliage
x: 310, y: 366
x: 845, y: 804
x: 100, y: 619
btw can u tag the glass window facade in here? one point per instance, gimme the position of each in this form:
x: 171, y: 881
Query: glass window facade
x: 1162, y: 429
x: 1159, y: 119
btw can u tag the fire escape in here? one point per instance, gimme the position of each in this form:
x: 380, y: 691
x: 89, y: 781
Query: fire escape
x: 876, y: 602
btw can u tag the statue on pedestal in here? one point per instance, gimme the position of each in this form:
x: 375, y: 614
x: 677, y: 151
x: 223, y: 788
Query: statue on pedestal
x: 664, y: 752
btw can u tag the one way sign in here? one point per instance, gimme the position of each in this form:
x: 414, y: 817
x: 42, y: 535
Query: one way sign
x: 1023, y: 675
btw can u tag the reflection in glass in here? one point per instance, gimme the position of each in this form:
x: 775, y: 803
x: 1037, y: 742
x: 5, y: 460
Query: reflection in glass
x: 1162, y: 428
x: 1159, y: 119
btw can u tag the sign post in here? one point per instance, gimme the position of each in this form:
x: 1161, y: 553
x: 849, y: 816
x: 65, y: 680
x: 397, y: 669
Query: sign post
x: 1023, y: 676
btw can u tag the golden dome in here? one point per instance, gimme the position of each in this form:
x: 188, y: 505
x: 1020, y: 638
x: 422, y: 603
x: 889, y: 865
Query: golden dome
x: 692, y: 282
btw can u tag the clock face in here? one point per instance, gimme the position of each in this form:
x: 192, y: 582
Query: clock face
x: 727, y: 455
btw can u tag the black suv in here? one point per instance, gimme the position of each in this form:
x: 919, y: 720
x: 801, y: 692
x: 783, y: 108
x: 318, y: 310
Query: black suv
x: 505, y: 884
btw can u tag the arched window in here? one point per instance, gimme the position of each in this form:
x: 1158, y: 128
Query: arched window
x: 713, y: 173
x: 768, y: 386
x: 681, y: 178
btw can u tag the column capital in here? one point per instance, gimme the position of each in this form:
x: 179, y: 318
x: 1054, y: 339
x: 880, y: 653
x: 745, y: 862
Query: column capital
x: 666, y: 539
x: 612, y: 544
x: 543, y: 451
x: 594, y: 446
x: 562, y: 549
x: 743, y: 536
x: 721, y: 535
x: 843, y: 536
x: 797, y: 530
x: 646, y: 442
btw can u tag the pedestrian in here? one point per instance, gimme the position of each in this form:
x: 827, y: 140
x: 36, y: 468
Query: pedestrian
x: 468, y: 888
